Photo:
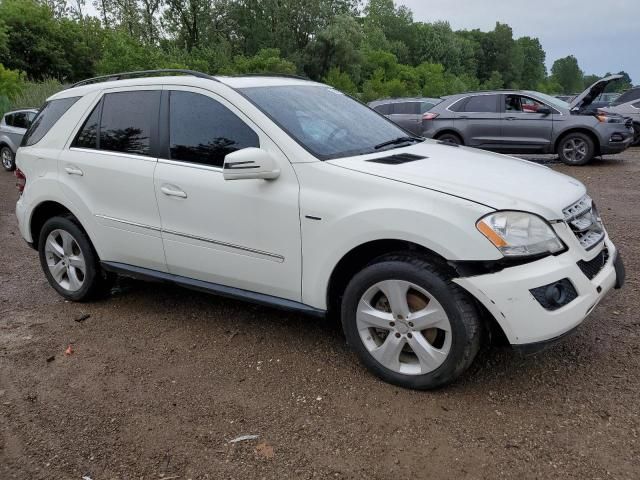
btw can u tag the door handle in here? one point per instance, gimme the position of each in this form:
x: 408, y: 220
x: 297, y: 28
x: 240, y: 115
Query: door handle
x: 173, y: 191
x: 511, y: 118
x: 73, y: 170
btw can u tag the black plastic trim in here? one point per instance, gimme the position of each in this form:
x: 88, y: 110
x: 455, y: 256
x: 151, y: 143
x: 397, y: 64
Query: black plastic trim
x: 621, y: 274
x: 208, y: 287
x: 537, y: 347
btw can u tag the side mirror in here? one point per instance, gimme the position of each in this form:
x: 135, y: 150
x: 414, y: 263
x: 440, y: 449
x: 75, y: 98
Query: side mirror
x: 250, y: 163
x: 544, y: 111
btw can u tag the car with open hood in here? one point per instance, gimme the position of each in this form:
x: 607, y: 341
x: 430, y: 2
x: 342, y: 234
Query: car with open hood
x: 522, y: 121
x: 630, y: 109
x: 291, y: 194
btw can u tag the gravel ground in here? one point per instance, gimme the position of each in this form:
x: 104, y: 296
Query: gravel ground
x: 161, y: 379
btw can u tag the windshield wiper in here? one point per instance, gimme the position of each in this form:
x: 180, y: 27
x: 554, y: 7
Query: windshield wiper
x: 397, y: 141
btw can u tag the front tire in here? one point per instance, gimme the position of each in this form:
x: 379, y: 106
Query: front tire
x: 69, y: 261
x: 450, y: 138
x: 8, y: 159
x: 576, y: 149
x: 409, y: 324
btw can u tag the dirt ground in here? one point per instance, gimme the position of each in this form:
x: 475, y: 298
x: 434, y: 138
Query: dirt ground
x: 161, y: 379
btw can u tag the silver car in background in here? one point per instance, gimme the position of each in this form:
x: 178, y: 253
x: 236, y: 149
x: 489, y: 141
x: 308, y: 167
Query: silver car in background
x: 407, y: 112
x: 520, y: 121
x: 13, y: 126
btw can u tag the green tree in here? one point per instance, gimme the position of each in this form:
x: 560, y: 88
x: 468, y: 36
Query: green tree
x: 533, y: 69
x: 11, y: 82
x: 341, y: 81
x: 267, y: 60
x: 566, y: 72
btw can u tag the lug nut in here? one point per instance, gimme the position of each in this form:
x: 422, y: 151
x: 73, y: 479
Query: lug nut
x: 411, y: 324
x: 409, y: 335
x: 397, y: 335
x: 392, y: 324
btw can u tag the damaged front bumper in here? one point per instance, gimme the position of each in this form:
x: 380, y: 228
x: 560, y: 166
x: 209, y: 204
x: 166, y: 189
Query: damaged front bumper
x: 542, y: 301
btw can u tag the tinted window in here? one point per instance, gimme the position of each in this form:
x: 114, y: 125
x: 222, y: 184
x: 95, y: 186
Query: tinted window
x: 383, y: 109
x: 8, y: 119
x: 459, y: 105
x: 407, y: 108
x: 326, y: 122
x: 20, y: 120
x: 46, y: 118
x: 128, y: 119
x: 88, y: 135
x: 482, y: 104
x: 205, y: 131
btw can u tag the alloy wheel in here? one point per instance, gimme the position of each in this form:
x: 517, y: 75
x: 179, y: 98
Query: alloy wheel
x: 7, y: 158
x: 404, y: 327
x: 575, y: 149
x: 65, y: 260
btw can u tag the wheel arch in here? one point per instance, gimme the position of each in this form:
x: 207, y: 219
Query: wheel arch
x: 451, y: 131
x: 586, y: 131
x: 44, y: 211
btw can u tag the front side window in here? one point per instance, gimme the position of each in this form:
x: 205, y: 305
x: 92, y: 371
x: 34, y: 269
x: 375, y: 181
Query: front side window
x: 517, y: 103
x: 204, y: 131
x: 128, y: 119
x: 326, y: 122
x: 47, y: 118
x: 482, y: 104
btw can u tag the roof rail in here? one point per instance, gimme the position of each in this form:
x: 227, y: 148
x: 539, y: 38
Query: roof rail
x: 142, y: 73
x: 284, y: 75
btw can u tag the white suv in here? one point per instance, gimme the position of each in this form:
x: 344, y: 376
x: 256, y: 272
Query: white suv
x: 288, y: 193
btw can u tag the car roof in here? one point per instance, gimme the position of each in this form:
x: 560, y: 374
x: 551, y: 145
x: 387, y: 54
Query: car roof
x: 234, y: 82
x: 19, y: 110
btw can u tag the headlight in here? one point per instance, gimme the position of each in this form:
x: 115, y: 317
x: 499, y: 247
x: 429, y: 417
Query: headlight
x: 519, y: 234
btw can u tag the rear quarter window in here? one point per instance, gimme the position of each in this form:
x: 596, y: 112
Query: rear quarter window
x: 47, y: 118
x: 384, y: 109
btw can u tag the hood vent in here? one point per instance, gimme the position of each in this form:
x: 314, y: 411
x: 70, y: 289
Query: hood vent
x: 397, y: 159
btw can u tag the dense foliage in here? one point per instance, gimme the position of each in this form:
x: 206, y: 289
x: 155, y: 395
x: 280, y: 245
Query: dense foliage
x: 368, y: 48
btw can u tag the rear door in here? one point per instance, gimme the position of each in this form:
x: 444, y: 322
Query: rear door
x: 523, y: 128
x: 478, y: 118
x: 108, y: 169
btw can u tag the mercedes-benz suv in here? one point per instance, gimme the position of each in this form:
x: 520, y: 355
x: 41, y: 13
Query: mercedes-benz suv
x: 288, y: 193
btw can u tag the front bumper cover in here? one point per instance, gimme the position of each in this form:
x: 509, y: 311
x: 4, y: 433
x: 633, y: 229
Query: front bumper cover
x: 506, y: 295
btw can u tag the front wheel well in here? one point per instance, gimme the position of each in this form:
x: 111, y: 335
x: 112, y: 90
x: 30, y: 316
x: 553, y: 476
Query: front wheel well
x: 449, y: 132
x: 41, y: 214
x: 589, y: 133
x: 361, y: 256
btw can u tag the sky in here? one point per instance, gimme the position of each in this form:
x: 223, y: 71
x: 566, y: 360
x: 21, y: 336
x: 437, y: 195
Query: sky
x: 604, y: 35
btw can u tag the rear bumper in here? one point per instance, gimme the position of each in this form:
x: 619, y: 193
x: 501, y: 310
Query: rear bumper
x: 508, y: 296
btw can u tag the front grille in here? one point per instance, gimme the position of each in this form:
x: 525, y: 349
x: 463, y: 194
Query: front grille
x: 583, y: 219
x: 594, y: 266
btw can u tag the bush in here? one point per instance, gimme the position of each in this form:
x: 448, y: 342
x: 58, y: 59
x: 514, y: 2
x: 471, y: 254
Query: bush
x: 34, y: 94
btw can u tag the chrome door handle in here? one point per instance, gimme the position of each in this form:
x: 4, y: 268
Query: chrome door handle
x: 173, y: 191
x: 73, y: 170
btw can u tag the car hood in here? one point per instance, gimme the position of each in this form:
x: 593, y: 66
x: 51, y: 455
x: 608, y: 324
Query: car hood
x: 585, y: 99
x: 497, y: 181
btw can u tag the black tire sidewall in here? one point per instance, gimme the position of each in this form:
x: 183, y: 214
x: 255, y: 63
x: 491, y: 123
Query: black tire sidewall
x: 92, y: 274
x: 450, y: 138
x: 583, y: 137
x: 13, y: 159
x: 397, y: 270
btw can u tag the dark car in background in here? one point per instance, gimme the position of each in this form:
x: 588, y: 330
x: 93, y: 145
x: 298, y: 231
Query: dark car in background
x: 13, y: 126
x: 516, y: 121
x: 409, y: 113
x: 630, y: 109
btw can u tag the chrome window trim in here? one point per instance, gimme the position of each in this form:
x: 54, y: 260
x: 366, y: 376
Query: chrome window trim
x: 183, y: 163
x: 113, y: 154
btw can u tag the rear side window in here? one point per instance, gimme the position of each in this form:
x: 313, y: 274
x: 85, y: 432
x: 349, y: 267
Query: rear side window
x: 204, y: 131
x: 47, y: 118
x: 459, y: 105
x: 385, y: 109
x: 482, y: 104
x: 88, y: 135
x: 8, y: 119
x: 407, y: 108
x: 127, y: 122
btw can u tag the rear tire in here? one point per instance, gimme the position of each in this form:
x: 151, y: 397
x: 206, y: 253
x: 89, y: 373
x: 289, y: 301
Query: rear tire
x: 409, y: 324
x: 8, y: 159
x: 70, y: 262
x: 576, y: 149
x: 450, y: 138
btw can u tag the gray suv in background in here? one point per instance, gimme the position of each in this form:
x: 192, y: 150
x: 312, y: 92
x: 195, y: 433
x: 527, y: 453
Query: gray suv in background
x: 407, y: 112
x: 13, y: 126
x: 514, y: 121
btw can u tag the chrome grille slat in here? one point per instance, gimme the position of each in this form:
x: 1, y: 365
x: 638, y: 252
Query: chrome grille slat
x: 583, y: 219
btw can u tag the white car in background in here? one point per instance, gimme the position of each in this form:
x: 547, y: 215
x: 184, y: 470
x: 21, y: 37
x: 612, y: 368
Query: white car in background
x: 286, y: 192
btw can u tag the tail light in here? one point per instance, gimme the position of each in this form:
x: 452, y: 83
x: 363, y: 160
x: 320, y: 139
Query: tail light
x: 21, y: 180
x: 429, y: 116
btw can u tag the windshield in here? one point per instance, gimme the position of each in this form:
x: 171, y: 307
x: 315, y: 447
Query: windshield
x: 326, y: 122
x: 553, y: 101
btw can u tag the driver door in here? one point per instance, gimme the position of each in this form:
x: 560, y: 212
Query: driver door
x: 522, y: 126
x: 240, y: 233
